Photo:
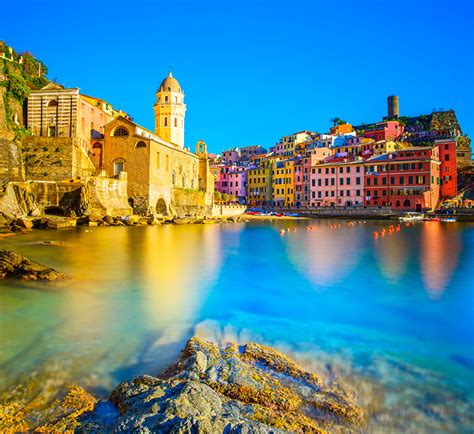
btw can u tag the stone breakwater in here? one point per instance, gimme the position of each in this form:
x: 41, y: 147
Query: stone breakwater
x: 211, y: 389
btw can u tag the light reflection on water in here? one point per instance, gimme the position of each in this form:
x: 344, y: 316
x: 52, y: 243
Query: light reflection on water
x: 396, y: 310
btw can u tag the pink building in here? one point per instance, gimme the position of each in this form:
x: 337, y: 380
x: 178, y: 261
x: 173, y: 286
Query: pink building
x: 233, y: 181
x: 231, y: 155
x: 337, y: 184
x: 302, y: 174
x: 388, y: 130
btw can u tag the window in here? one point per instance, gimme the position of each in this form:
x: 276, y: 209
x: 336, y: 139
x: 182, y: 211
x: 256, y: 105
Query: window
x: 392, y: 180
x: 402, y: 180
x: 52, y: 131
x: 121, y: 132
x: 341, y: 181
x: 357, y: 192
x: 118, y: 166
x: 376, y: 181
x: 175, y: 122
x: 166, y: 98
x: 140, y: 144
x: 166, y: 122
x: 446, y: 157
x: 410, y: 180
x: 368, y: 181
x: 158, y: 160
x: 348, y: 181
x: 358, y: 181
x: 358, y: 169
x: 341, y: 169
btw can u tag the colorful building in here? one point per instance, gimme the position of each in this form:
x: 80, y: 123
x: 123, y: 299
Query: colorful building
x: 407, y: 179
x: 448, y: 171
x: 337, y: 184
x: 259, y: 185
x: 283, y: 183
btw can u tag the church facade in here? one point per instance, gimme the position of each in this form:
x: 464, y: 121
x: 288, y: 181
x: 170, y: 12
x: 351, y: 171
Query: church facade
x: 163, y: 176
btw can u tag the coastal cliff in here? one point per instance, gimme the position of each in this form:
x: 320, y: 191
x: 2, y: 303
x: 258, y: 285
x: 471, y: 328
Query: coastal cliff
x: 249, y: 388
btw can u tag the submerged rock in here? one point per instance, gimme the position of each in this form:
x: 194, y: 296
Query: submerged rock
x: 14, y: 265
x: 241, y: 389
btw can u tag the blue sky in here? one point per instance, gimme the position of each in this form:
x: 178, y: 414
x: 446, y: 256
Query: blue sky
x: 255, y: 70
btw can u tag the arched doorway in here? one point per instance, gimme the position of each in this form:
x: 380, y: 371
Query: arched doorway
x: 406, y: 203
x: 161, y: 207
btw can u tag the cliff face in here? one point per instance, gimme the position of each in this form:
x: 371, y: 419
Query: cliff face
x: 18, y: 75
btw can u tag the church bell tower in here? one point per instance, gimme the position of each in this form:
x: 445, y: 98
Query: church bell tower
x: 170, y: 111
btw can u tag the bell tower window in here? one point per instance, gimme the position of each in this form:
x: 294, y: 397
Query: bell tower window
x: 175, y: 122
x: 166, y: 122
x: 166, y: 98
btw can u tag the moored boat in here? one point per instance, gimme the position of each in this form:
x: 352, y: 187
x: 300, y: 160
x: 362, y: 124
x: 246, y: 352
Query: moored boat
x: 412, y: 217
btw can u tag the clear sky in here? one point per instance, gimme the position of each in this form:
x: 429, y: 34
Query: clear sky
x: 254, y: 70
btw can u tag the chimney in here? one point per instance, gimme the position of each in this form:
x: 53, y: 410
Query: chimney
x: 392, y: 107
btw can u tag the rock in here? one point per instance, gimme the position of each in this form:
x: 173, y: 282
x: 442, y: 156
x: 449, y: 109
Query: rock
x: 40, y: 223
x: 93, y: 224
x: 108, y: 219
x: 82, y: 221
x: 61, y: 222
x: 6, y: 219
x: 94, y: 217
x: 24, y: 223
x: 14, y: 265
x: 236, y: 389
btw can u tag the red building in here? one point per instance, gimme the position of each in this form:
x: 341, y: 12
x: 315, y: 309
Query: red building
x: 407, y: 179
x: 388, y: 130
x: 448, y: 170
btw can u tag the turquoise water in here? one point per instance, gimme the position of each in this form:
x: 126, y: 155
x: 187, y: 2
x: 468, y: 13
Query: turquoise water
x: 393, y: 316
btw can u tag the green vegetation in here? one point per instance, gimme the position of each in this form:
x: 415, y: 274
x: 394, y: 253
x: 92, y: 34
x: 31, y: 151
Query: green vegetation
x: 337, y: 121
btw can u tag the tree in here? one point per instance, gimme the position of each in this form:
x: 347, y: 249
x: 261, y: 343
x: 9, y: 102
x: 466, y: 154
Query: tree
x: 217, y: 196
x: 337, y: 121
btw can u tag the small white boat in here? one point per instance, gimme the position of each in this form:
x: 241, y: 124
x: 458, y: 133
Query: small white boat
x: 447, y: 219
x: 412, y: 217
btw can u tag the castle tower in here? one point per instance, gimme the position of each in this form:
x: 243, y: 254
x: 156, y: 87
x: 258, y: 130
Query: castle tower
x: 393, y: 110
x: 170, y: 111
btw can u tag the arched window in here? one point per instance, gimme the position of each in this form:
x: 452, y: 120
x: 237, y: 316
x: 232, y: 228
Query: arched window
x: 166, y: 122
x: 121, y: 132
x: 53, y: 103
x: 140, y: 144
x: 406, y: 203
x: 175, y: 122
x: 176, y: 100
x: 97, y: 146
x: 397, y: 204
x: 166, y: 98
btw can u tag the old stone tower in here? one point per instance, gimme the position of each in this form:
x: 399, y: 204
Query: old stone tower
x: 170, y: 111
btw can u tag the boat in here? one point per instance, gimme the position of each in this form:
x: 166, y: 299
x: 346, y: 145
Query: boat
x: 448, y: 219
x: 412, y: 217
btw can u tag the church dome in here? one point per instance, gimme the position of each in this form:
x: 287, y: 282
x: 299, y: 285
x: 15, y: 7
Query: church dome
x: 170, y: 84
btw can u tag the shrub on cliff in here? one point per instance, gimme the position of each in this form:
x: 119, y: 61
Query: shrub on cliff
x: 17, y: 86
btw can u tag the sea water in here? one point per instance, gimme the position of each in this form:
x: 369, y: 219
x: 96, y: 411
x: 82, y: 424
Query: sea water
x: 392, y: 316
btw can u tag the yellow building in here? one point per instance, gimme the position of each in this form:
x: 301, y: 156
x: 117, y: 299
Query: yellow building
x: 259, y: 185
x: 283, y: 183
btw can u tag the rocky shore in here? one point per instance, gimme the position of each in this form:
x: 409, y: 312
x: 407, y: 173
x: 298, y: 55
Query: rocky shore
x: 11, y: 225
x: 234, y: 389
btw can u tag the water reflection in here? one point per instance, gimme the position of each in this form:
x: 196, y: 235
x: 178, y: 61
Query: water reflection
x: 439, y: 255
x: 325, y: 256
x: 392, y: 253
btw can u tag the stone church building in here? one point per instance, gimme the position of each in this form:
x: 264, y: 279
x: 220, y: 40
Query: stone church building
x: 163, y: 176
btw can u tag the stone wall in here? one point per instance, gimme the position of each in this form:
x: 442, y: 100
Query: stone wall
x: 228, y: 210
x: 186, y: 202
x: 99, y: 195
x: 108, y: 196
